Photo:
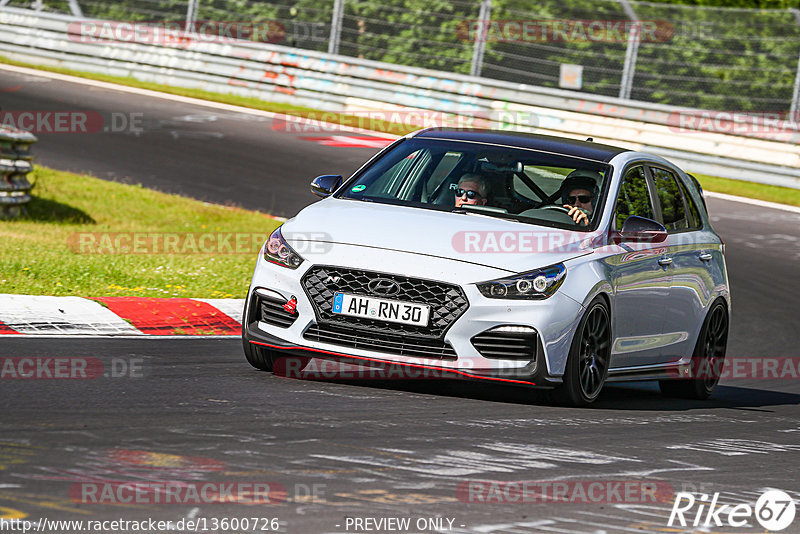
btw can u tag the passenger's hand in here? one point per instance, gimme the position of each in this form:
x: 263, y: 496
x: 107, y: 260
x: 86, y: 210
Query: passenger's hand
x: 578, y: 215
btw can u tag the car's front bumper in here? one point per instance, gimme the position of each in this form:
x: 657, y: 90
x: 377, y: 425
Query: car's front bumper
x: 381, y: 367
x: 553, y: 319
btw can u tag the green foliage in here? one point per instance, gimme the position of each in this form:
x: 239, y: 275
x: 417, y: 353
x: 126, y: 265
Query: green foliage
x: 739, y: 55
x: 634, y: 197
x: 422, y: 33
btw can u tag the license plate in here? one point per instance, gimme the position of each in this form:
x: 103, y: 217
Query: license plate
x: 391, y: 311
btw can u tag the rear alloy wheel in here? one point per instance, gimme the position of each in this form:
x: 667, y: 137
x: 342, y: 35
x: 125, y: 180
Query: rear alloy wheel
x: 587, y: 365
x: 707, y: 360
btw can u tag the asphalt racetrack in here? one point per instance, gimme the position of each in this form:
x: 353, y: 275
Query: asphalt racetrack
x: 337, y: 454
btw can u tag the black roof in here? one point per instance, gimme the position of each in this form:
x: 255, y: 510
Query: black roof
x: 546, y: 143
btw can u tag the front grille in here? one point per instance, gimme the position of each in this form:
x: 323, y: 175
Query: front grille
x: 271, y: 312
x: 400, y: 345
x: 511, y: 344
x: 447, y: 301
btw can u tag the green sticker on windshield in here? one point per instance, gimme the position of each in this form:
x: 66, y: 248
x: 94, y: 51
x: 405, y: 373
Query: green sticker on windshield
x: 358, y: 188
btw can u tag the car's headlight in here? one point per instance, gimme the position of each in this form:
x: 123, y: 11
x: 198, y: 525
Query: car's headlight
x: 277, y: 250
x: 538, y: 284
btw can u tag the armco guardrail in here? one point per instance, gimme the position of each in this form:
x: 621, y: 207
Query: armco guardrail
x: 15, y: 165
x: 721, y: 144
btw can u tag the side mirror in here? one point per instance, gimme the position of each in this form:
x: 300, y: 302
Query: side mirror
x: 324, y: 185
x: 637, y: 229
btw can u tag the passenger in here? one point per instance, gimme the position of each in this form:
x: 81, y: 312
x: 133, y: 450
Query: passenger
x: 579, y: 194
x: 472, y: 189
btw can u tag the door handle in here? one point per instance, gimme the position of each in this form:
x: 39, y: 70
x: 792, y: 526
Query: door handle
x: 705, y: 256
x: 665, y: 261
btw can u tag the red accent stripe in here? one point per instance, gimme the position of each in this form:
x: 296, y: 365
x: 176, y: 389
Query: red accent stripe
x: 7, y: 329
x: 351, y: 141
x: 415, y: 365
x: 170, y: 317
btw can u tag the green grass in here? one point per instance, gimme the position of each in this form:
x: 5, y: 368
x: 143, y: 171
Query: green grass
x: 40, y: 253
x: 771, y: 193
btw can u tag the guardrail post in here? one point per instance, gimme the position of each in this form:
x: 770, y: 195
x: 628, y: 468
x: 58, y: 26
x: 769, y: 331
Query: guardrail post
x: 15, y: 165
x: 631, y: 52
x: 38, y: 5
x: 794, y: 108
x: 336, y: 26
x: 478, y: 49
x: 75, y: 8
x: 191, y: 15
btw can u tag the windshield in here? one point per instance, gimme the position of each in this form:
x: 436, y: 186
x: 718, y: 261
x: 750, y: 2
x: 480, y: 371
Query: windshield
x: 516, y: 183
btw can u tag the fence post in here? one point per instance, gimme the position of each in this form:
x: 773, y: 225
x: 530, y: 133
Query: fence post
x: 38, y: 5
x: 631, y: 52
x: 75, y: 8
x: 478, y: 49
x: 793, y: 109
x: 191, y: 15
x: 336, y: 26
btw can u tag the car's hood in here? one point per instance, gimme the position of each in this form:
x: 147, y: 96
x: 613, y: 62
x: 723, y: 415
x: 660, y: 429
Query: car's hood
x: 477, y: 239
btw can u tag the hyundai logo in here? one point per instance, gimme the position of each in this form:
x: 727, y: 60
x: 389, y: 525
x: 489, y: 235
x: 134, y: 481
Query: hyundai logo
x: 383, y: 286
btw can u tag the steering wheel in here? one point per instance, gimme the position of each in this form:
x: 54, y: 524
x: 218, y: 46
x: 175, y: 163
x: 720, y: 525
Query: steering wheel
x: 561, y: 209
x: 555, y: 207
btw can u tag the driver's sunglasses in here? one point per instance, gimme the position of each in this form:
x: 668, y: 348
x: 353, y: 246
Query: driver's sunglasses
x: 470, y: 194
x: 583, y: 198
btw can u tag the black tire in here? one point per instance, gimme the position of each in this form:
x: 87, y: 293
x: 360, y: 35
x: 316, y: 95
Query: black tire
x: 707, y: 359
x: 589, y: 355
x: 259, y: 357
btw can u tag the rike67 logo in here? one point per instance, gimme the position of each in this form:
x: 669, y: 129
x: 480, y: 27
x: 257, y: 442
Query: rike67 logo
x: 774, y: 511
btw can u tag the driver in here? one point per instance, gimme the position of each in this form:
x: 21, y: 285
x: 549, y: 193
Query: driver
x: 472, y: 189
x: 579, y: 194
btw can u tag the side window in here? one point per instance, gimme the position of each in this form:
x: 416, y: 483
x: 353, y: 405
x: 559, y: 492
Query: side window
x: 634, y: 198
x: 695, y: 221
x: 673, y: 210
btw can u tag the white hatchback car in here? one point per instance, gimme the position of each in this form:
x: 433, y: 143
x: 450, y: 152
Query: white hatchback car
x: 510, y: 257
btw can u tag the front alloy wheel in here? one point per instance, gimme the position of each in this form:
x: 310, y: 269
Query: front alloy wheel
x: 587, y: 365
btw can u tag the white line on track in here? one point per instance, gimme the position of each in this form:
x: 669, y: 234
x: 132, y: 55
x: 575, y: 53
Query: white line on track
x: 753, y: 201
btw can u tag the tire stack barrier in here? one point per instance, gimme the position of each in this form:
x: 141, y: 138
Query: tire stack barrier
x: 16, y: 162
